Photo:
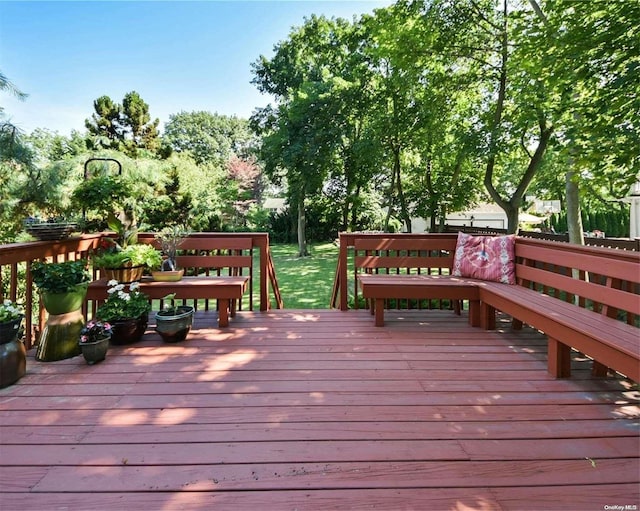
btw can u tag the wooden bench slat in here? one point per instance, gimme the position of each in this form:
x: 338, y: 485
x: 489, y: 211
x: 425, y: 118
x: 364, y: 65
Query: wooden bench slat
x: 617, y: 298
x: 197, y: 243
x: 617, y: 268
x: 424, y: 244
x: 214, y: 261
x: 406, y: 262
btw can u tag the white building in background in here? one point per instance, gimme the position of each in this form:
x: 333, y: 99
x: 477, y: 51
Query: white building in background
x: 634, y: 201
x: 274, y: 204
x: 486, y: 215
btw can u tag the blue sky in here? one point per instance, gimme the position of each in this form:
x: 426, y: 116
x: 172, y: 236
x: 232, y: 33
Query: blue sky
x: 179, y: 56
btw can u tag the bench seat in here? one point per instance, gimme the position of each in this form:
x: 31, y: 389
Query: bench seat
x: 378, y: 287
x: 225, y: 289
x: 607, y: 340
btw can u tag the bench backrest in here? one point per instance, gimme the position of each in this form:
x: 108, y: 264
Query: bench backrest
x: 404, y: 256
x: 397, y: 255
x: 217, y: 256
x: 206, y: 256
x: 605, y: 280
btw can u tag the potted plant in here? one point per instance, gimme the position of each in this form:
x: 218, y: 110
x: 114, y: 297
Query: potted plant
x: 10, y: 319
x: 62, y: 286
x: 127, y: 264
x: 127, y: 310
x: 124, y: 259
x: 170, y: 239
x: 13, y: 355
x: 94, y: 340
x: 173, y: 323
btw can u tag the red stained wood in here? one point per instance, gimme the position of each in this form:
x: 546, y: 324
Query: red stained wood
x: 319, y: 410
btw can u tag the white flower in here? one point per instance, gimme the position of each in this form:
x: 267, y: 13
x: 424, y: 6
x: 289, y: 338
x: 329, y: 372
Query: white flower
x: 112, y: 282
x: 134, y: 285
x: 111, y: 290
x: 119, y: 287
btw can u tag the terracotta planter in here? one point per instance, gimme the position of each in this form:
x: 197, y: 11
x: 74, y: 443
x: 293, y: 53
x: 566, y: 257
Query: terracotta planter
x: 128, y: 331
x: 175, y: 327
x: 124, y: 275
x: 96, y: 351
x: 62, y: 303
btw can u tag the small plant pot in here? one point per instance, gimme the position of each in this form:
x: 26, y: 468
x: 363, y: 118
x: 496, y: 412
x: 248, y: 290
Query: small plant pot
x: 174, y: 327
x: 168, y: 275
x: 94, y: 352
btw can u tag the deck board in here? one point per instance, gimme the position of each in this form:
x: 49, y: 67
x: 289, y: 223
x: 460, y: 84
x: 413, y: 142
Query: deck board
x: 319, y: 410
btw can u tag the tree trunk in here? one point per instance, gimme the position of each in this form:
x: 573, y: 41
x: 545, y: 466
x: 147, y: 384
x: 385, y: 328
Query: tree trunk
x: 390, y: 203
x: 512, y: 206
x: 302, y: 241
x: 574, y: 217
x: 404, y: 212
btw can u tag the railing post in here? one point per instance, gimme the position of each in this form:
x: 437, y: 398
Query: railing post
x: 342, y: 270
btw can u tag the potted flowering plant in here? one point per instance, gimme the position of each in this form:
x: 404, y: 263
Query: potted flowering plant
x: 13, y: 355
x: 11, y: 315
x: 94, y: 340
x: 127, y: 310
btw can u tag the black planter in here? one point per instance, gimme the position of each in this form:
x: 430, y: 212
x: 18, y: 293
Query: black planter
x: 128, y: 331
x: 9, y: 330
x: 175, y: 327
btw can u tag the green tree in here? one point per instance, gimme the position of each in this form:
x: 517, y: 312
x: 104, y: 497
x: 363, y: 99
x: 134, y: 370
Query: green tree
x: 140, y: 132
x: 209, y: 138
x: 125, y: 127
x: 300, y: 136
x: 590, y: 58
x: 104, y: 125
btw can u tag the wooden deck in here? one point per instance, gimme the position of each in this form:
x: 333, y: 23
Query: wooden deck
x: 320, y: 410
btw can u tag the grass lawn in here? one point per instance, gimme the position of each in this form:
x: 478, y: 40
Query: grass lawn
x: 305, y: 282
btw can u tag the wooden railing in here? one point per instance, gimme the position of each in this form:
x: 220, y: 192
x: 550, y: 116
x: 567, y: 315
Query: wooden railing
x: 16, y: 282
x: 345, y: 278
x: 620, y: 243
x: 344, y: 287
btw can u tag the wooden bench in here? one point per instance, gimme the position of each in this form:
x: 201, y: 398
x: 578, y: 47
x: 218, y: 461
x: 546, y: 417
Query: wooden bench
x: 584, y: 298
x: 411, y: 269
x: 219, y: 269
x: 226, y: 290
